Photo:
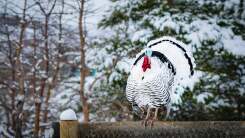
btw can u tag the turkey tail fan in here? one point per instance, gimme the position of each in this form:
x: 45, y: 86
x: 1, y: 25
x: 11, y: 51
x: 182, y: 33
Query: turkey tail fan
x: 175, y: 51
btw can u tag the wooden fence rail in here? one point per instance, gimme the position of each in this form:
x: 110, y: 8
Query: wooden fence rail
x: 168, y: 129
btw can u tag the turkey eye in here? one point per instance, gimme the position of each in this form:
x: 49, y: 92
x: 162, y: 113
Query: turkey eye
x: 142, y: 77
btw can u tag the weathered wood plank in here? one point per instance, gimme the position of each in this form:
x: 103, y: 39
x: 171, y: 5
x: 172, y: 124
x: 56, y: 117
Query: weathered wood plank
x: 164, y: 129
x: 200, y: 129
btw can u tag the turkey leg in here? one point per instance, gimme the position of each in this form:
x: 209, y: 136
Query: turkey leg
x: 143, y: 112
x: 155, y: 117
x: 148, y: 115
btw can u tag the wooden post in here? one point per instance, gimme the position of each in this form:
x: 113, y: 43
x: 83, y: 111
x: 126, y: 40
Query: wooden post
x: 68, y: 129
x: 68, y: 124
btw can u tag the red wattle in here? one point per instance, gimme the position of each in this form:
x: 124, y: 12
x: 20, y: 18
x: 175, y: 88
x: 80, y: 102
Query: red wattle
x: 146, y: 63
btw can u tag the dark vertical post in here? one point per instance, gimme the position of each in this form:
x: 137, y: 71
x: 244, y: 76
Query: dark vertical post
x: 56, y: 130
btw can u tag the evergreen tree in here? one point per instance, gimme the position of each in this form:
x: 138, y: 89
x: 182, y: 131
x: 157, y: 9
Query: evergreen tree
x: 220, y: 90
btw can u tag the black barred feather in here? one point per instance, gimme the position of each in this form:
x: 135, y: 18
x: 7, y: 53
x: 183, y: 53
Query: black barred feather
x: 154, y: 93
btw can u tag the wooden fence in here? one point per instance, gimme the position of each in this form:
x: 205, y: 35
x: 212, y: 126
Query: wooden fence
x: 200, y: 129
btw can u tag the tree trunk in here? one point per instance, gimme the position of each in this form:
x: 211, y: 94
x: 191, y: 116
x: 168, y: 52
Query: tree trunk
x: 37, y: 119
x: 83, y: 67
x: 34, y: 93
x: 50, y: 88
x: 170, y: 2
x: 57, y: 67
x: 13, y: 92
x: 20, y: 76
x: 38, y: 101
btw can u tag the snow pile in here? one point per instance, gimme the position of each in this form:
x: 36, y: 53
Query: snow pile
x: 68, y: 114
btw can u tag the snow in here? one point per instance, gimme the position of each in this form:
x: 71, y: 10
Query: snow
x: 20, y: 97
x: 196, y: 31
x: 191, y: 82
x: 231, y: 42
x: 68, y: 114
x: 5, y: 133
x: 2, y: 57
x: 68, y: 96
x: 235, y: 45
x: 141, y: 35
x: 38, y: 100
x: 48, y: 133
x: 113, y: 119
x: 201, y: 97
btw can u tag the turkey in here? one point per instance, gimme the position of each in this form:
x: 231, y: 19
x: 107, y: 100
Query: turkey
x: 154, y: 73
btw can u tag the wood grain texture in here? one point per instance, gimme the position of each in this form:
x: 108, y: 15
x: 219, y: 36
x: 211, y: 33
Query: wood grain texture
x: 169, y: 129
x: 69, y: 129
x: 199, y: 129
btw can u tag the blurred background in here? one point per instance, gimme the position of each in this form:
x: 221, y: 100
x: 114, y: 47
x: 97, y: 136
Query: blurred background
x: 59, y: 54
